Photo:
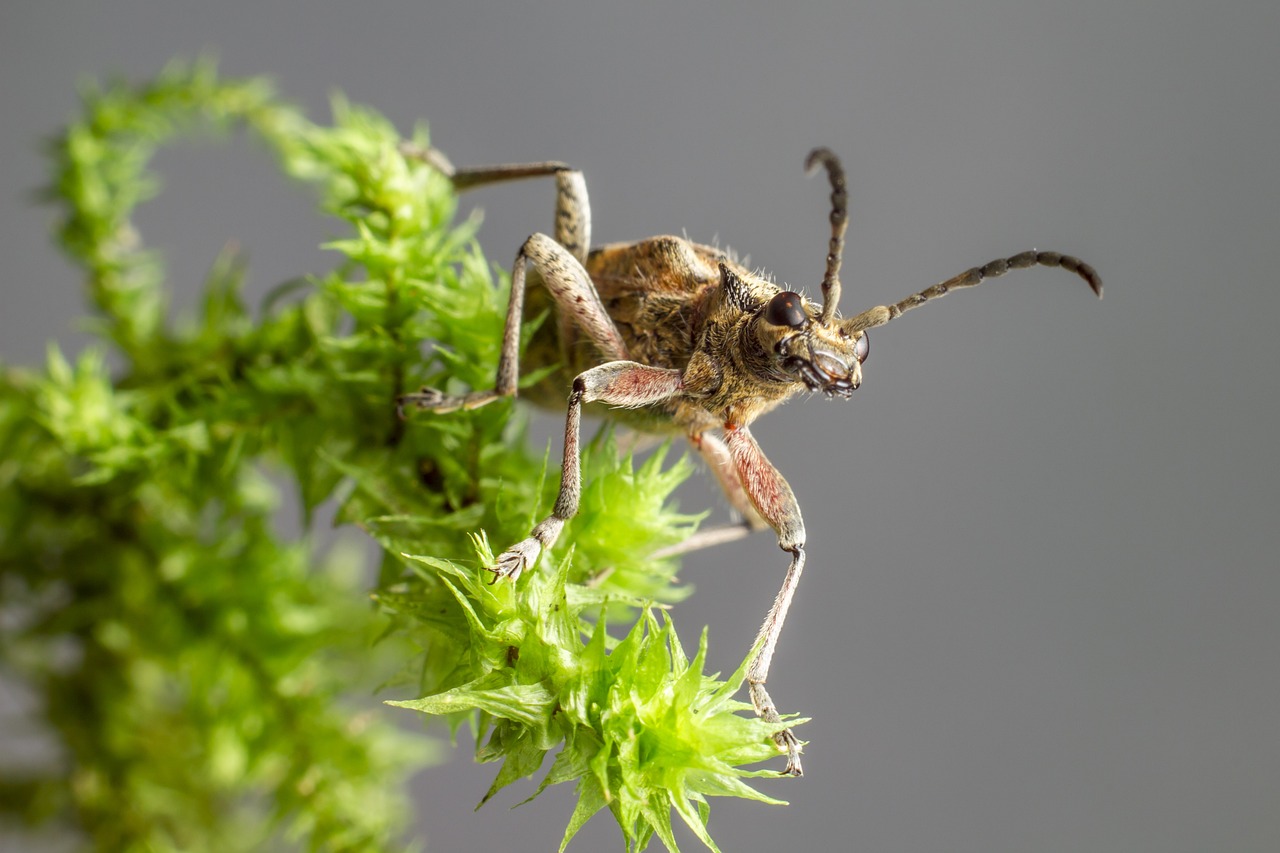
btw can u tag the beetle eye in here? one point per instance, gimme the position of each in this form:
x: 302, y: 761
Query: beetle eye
x: 786, y: 309
x: 862, y: 347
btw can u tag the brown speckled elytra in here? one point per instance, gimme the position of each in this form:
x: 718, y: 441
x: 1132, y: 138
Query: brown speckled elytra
x: 677, y: 337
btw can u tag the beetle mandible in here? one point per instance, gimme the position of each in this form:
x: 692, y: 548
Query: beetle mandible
x: 680, y: 338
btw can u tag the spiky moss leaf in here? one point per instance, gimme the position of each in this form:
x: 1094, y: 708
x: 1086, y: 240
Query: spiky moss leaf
x: 640, y: 728
x: 402, y: 516
x: 625, y: 514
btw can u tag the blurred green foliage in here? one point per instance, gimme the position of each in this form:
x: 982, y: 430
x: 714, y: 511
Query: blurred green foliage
x: 200, y: 674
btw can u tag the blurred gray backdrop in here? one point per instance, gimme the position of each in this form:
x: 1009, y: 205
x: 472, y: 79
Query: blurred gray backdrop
x: 1040, y: 611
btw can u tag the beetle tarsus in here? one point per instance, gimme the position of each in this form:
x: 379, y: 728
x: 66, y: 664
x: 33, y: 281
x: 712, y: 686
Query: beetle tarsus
x: 512, y: 562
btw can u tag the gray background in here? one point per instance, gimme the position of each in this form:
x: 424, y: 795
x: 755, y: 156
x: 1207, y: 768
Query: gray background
x: 1040, y: 611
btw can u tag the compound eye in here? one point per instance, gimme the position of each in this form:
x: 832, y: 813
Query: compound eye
x: 786, y: 309
x: 862, y: 347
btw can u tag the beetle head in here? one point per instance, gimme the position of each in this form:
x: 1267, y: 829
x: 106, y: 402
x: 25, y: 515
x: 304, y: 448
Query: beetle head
x: 804, y: 348
x: 808, y: 345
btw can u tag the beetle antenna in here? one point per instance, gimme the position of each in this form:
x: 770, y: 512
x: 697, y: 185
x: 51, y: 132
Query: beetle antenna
x: 839, y: 221
x: 882, y: 314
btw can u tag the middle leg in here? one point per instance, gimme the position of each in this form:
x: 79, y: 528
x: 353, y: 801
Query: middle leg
x: 575, y: 296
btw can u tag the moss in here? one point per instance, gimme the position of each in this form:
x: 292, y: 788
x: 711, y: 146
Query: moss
x: 194, y: 665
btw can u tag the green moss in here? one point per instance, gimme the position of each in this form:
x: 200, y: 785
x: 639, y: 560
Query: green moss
x: 195, y: 667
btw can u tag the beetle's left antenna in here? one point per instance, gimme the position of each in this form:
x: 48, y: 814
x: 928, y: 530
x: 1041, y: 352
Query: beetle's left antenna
x: 839, y: 221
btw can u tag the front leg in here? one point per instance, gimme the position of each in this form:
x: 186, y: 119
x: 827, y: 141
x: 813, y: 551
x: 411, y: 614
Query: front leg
x: 776, y: 503
x: 716, y: 454
x: 619, y: 383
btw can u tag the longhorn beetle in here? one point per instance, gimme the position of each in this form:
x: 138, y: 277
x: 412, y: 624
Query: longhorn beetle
x: 679, y: 337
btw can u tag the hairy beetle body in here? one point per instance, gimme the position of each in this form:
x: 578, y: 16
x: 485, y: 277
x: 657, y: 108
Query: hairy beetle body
x: 670, y: 336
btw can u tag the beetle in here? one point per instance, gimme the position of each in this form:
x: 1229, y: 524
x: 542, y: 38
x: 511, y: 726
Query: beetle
x: 678, y: 337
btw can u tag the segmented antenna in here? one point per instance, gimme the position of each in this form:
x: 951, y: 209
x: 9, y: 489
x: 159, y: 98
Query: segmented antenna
x: 882, y: 314
x: 839, y: 221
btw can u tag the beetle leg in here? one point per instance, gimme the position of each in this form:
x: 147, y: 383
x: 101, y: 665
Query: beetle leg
x: 776, y: 503
x: 716, y: 454
x: 619, y: 383
x: 573, y: 207
x: 575, y: 296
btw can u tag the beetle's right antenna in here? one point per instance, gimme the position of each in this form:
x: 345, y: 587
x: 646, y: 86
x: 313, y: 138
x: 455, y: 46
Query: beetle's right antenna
x: 839, y: 221
x: 882, y: 314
